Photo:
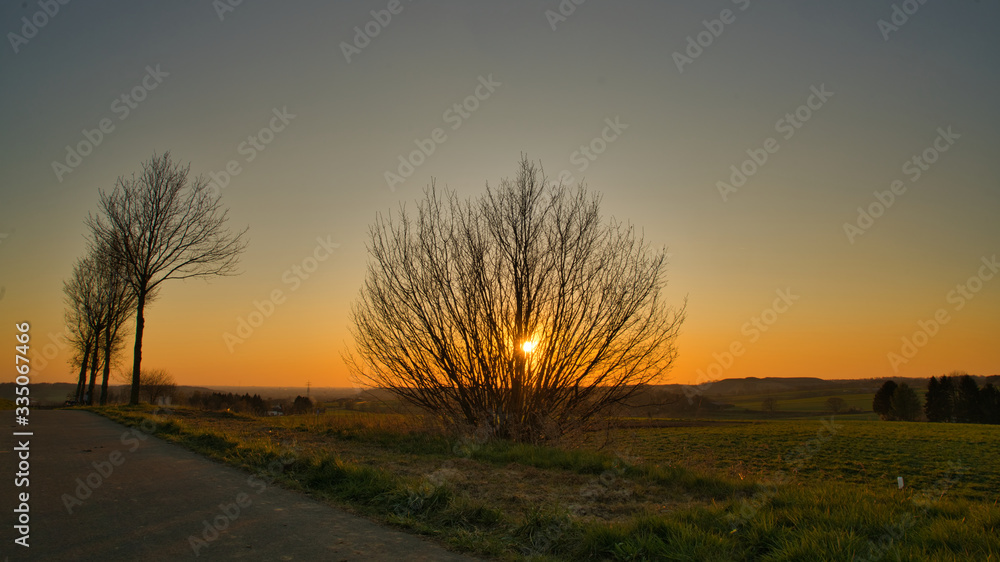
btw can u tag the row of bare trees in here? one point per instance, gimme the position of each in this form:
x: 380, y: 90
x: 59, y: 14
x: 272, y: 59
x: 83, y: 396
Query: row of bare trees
x: 150, y: 228
x: 99, y: 303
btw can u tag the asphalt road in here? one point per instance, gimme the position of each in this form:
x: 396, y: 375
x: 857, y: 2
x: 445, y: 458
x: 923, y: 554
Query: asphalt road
x: 97, y: 491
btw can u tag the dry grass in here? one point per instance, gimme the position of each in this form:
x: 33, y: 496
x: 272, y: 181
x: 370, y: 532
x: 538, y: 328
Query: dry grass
x: 422, y: 451
x: 654, y: 493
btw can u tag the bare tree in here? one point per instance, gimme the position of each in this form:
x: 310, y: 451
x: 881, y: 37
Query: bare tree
x: 85, y: 316
x: 836, y: 404
x: 119, y: 305
x: 157, y: 384
x: 160, y: 226
x: 81, y: 298
x: 769, y: 405
x: 98, y: 302
x: 522, y: 311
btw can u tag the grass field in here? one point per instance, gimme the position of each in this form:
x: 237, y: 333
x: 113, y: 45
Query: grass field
x: 868, y: 454
x: 766, y: 490
x: 793, y: 402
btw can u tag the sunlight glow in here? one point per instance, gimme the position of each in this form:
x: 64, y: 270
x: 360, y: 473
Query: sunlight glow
x: 529, y: 346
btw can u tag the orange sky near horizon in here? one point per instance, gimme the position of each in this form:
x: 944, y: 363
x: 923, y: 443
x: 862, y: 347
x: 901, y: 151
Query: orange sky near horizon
x: 904, y: 126
x: 811, y: 337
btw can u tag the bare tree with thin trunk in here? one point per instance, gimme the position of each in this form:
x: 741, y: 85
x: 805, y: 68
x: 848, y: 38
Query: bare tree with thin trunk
x: 156, y: 384
x: 521, y: 312
x: 162, y: 226
x: 76, y: 324
x: 84, y: 315
x: 836, y: 404
x: 99, y: 302
x: 80, y: 339
x: 119, y: 306
x: 769, y: 405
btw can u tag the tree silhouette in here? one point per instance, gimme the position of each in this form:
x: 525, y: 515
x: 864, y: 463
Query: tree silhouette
x: 158, y: 226
x: 157, y: 384
x: 98, y: 303
x: 120, y: 304
x: 905, y: 403
x: 939, y: 400
x: 882, y: 403
x: 521, y: 312
x: 84, y: 311
x: 769, y: 405
x: 967, y: 406
x: 836, y: 404
x: 302, y: 405
x: 989, y: 401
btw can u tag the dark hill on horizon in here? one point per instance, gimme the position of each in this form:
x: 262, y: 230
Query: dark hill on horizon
x: 805, y: 385
x: 54, y: 394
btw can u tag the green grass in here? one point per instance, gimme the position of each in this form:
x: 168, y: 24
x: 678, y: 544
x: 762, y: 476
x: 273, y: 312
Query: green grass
x: 869, y: 454
x: 772, y: 490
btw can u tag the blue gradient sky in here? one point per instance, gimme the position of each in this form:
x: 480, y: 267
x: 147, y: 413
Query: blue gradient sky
x: 323, y: 175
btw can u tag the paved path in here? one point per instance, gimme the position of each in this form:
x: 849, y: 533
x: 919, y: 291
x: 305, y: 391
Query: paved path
x: 160, y: 496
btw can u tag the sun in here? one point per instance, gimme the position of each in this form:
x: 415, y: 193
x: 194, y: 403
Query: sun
x: 529, y: 346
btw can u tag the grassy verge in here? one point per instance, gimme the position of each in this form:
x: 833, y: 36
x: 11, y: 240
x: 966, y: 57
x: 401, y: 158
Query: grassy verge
x: 514, y: 501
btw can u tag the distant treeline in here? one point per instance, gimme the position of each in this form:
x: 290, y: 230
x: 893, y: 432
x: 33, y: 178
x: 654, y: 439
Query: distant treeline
x: 248, y: 404
x: 955, y: 398
x: 657, y: 402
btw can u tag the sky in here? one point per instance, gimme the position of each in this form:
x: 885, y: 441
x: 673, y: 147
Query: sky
x: 823, y: 174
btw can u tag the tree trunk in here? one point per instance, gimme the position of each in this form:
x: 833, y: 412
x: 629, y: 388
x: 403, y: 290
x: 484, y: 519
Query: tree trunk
x: 137, y: 351
x: 81, y: 384
x: 93, y: 368
x: 107, y: 365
